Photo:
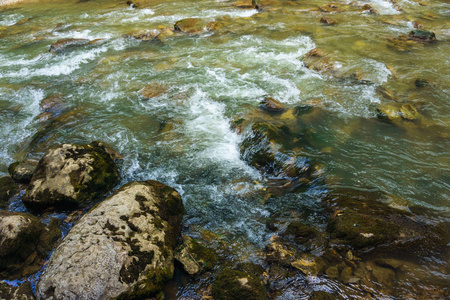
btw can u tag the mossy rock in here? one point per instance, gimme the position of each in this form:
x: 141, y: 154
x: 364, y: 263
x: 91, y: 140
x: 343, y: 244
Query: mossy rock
x: 20, y: 292
x: 395, y: 112
x: 25, y: 243
x: 8, y: 189
x: 422, y: 35
x: 238, y: 285
x: 363, y: 220
x: 70, y: 175
x: 190, y: 25
x: 195, y: 256
x: 22, y: 171
x: 301, y: 232
x: 122, y: 248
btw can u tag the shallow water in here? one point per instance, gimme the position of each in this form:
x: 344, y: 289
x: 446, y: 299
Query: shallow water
x: 183, y: 136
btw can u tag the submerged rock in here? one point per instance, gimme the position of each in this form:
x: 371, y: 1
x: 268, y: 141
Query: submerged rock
x: 65, y: 44
x: 153, y: 90
x: 8, y: 189
x: 143, y: 35
x: 327, y: 21
x: 70, y: 175
x: 271, y: 105
x: 122, y: 248
x: 232, y: 284
x: 398, y: 111
x: 23, y: 171
x: 361, y: 220
x: 24, y: 243
x: 190, y: 25
x: 261, y: 149
x: 195, y: 256
x: 317, y: 60
x: 20, y: 292
x: 422, y: 35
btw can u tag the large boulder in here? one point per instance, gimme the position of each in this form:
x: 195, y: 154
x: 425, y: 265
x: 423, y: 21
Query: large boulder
x: 24, y: 243
x: 70, y: 175
x: 122, y: 248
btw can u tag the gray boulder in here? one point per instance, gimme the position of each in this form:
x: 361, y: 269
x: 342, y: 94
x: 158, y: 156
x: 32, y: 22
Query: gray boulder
x: 122, y: 248
x: 70, y: 175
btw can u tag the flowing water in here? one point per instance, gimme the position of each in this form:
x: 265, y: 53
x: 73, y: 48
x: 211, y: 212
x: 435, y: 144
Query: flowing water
x: 183, y: 137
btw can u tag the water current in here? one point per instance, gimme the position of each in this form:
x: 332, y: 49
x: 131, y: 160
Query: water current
x: 183, y: 135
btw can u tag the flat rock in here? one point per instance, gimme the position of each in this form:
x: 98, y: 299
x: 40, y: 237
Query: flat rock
x: 122, y: 248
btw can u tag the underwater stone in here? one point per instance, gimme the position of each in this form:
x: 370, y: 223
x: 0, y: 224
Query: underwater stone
x: 70, y: 175
x: 122, y: 248
x: 65, y: 44
x: 422, y: 35
x: 195, y: 256
x: 232, y: 284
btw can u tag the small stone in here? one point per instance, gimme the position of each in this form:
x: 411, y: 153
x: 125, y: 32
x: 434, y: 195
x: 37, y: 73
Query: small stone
x: 422, y: 35
x: 153, y: 90
x: 327, y: 21
x: 420, y: 83
x: 22, y: 172
x: 271, y: 105
x: 418, y: 25
x: 143, y: 35
x: 310, y: 265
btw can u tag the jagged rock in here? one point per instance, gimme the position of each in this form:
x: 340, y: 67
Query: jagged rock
x: 271, y: 105
x: 195, y: 256
x: 232, y: 284
x: 22, y: 171
x: 8, y: 188
x: 21, y: 292
x: 363, y: 221
x: 190, y: 25
x: 70, y: 175
x: 122, y: 248
x: 24, y: 243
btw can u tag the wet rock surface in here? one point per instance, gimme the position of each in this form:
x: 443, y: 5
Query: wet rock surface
x: 195, y: 256
x: 66, y: 44
x: 21, y: 292
x: 23, y: 171
x: 232, y: 284
x: 24, y: 243
x: 70, y: 175
x: 8, y: 189
x: 122, y: 248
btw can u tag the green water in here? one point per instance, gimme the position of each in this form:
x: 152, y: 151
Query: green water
x: 183, y: 137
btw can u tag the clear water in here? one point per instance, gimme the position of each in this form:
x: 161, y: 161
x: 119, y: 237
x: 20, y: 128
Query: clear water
x: 183, y: 137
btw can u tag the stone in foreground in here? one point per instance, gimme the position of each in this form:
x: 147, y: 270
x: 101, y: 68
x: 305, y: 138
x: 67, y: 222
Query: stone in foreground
x: 123, y: 248
x: 70, y: 175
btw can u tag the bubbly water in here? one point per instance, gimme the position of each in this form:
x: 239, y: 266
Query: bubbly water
x: 183, y: 137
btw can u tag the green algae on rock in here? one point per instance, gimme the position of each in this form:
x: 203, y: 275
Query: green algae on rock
x: 22, y: 172
x: 362, y: 220
x: 195, y: 256
x: 231, y: 284
x: 20, y: 292
x: 8, y: 189
x: 122, y: 248
x: 70, y: 175
x: 24, y: 243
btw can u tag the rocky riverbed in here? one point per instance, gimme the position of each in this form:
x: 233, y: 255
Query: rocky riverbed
x: 224, y: 150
